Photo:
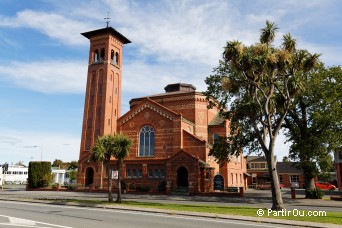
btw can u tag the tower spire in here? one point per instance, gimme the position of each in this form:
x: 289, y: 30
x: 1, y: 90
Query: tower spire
x: 107, y: 19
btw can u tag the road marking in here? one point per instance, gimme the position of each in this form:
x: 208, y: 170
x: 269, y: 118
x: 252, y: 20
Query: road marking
x: 13, y: 221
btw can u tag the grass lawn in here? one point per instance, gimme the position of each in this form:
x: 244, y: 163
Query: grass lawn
x: 330, y: 217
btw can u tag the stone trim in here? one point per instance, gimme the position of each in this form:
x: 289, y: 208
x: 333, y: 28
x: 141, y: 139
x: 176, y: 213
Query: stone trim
x: 144, y: 106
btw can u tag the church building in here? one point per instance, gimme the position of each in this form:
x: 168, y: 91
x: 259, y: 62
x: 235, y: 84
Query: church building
x: 172, y: 132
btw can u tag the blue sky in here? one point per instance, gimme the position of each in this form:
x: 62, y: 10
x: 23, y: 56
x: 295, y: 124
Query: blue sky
x: 43, y: 57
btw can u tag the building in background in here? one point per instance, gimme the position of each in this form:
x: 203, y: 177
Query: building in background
x: 14, y: 174
x: 288, y: 172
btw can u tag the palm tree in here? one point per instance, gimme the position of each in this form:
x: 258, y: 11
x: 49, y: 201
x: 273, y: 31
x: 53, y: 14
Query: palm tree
x: 102, y: 151
x: 268, y: 33
x: 121, y: 145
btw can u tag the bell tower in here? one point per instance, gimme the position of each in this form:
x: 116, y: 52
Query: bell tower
x: 103, y: 91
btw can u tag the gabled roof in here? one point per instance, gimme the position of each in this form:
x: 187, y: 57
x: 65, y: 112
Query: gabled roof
x: 148, y: 103
x: 194, y: 136
x: 288, y: 167
x: 217, y: 121
x: 185, y: 154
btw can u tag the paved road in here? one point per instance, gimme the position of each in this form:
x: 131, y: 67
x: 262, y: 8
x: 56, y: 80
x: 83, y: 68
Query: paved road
x: 19, y: 214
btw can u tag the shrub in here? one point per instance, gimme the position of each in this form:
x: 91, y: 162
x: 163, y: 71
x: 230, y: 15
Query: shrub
x: 39, y: 174
x: 162, y: 186
x: 131, y: 186
x: 73, y: 186
x: 317, y: 193
x: 143, y: 188
x: 123, y: 185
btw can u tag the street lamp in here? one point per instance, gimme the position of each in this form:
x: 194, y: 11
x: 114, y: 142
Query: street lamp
x: 41, y: 152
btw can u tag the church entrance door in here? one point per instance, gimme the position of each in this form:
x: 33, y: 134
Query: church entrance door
x: 182, y: 177
x: 89, y: 176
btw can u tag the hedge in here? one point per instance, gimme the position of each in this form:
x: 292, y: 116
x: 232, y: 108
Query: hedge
x: 39, y: 174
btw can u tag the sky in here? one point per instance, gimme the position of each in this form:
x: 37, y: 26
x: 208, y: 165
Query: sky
x: 43, y: 57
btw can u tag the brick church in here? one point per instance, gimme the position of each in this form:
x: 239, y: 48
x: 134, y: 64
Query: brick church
x: 172, y: 132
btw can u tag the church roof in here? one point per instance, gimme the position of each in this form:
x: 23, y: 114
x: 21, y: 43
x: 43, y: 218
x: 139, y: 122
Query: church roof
x: 179, y: 87
x: 172, y: 90
x: 151, y: 104
x: 218, y: 120
x: 104, y: 31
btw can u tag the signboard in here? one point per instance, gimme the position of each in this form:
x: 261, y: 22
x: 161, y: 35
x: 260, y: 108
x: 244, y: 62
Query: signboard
x: 218, y: 182
x: 115, y: 175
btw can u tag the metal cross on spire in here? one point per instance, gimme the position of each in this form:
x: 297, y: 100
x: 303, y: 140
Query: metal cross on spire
x: 107, y: 19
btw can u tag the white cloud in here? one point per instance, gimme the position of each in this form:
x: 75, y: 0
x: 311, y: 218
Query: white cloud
x: 17, y: 145
x: 147, y: 79
x: 56, y: 26
x: 47, y: 76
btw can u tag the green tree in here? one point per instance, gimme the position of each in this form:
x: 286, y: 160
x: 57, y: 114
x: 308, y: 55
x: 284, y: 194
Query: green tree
x: 72, y: 175
x: 258, y: 82
x: 314, y: 122
x: 106, y: 148
x: 122, y: 145
x: 58, y: 163
x: 73, y: 165
x: 102, y: 152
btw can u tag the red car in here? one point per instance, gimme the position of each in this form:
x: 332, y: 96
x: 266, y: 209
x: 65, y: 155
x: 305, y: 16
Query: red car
x: 325, y: 186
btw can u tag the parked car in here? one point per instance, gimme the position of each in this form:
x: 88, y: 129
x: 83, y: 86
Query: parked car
x: 294, y: 185
x: 264, y: 186
x: 325, y: 186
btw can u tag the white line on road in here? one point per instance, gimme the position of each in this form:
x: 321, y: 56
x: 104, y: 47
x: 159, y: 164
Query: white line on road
x: 27, y: 223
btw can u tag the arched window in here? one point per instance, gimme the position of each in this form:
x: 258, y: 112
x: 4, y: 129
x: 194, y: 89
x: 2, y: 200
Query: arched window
x: 112, y: 56
x: 215, y: 137
x: 162, y: 173
x: 117, y: 58
x: 150, y: 173
x: 102, y: 56
x: 146, y: 141
x: 134, y: 173
x: 156, y: 173
x: 128, y: 173
x: 96, y: 56
x: 139, y: 173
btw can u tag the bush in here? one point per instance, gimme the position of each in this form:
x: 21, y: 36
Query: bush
x: 143, y: 188
x: 39, y: 174
x: 131, y: 186
x: 73, y: 186
x: 162, y: 186
x: 123, y: 185
x: 317, y: 193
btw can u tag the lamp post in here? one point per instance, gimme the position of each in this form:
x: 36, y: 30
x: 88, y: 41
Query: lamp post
x: 41, y: 152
